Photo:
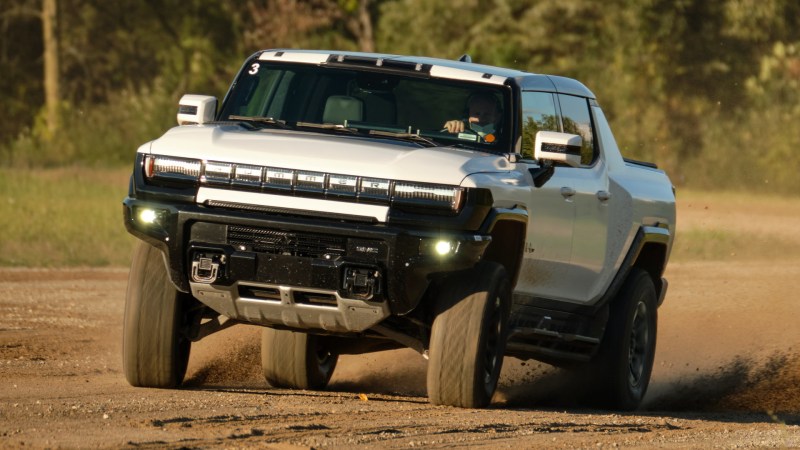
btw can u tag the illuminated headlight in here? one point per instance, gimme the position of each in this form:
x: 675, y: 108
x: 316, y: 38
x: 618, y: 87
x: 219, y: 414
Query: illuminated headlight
x: 148, y: 216
x: 438, y: 247
x: 443, y: 247
x: 428, y: 195
x: 172, y: 168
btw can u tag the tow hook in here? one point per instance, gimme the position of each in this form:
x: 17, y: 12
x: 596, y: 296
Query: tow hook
x: 362, y: 283
x: 206, y: 267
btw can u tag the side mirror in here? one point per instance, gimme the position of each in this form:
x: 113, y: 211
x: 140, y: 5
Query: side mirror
x: 558, y: 147
x: 197, y: 109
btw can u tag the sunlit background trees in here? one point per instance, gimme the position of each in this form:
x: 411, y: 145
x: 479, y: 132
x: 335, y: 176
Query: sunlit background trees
x: 709, y: 90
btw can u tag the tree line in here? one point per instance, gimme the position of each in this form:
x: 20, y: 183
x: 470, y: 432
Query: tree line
x: 706, y: 89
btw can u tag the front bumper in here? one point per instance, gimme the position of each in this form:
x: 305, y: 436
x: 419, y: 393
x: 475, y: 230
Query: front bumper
x: 297, y: 272
x: 292, y: 307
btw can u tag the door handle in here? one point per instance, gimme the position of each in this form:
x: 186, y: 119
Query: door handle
x: 567, y: 192
x: 604, y: 196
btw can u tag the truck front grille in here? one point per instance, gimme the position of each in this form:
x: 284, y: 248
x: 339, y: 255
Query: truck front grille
x: 289, y: 243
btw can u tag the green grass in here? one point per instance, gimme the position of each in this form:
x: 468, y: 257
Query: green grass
x: 63, y: 217
x: 72, y: 217
x: 698, y: 244
x: 724, y: 226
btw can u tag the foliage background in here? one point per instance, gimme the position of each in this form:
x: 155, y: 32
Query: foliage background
x: 706, y: 89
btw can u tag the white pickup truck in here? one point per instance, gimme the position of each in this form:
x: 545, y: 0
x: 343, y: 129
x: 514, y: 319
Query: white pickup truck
x: 356, y: 202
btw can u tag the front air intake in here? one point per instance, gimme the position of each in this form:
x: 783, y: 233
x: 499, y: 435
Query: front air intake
x: 290, y: 243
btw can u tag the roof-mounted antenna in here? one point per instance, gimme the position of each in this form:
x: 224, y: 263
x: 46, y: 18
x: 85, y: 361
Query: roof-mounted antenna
x: 465, y: 58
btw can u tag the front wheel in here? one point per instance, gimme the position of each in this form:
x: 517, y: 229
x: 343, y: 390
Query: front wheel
x: 155, y: 346
x: 296, y: 360
x: 468, y: 337
x: 625, y: 360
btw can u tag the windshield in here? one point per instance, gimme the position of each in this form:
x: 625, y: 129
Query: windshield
x: 389, y: 106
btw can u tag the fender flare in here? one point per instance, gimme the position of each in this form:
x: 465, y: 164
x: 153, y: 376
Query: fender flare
x: 658, y: 234
x: 510, y: 249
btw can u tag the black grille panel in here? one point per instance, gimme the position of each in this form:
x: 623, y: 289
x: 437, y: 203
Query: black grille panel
x: 290, y: 243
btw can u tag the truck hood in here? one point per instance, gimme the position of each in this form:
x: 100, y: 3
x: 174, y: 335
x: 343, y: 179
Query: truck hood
x: 346, y: 155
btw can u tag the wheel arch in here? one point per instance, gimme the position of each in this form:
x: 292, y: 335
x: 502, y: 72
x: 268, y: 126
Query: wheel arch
x: 507, y: 228
x: 652, y: 256
x: 649, y: 251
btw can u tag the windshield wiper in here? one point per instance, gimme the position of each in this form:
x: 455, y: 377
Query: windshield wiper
x: 326, y: 126
x: 263, y: 120
x: 414, y: 137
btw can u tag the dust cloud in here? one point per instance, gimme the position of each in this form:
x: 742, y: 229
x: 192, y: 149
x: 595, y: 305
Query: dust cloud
x: 770, y: 384
x: 228, y: 358
x: 753, y: 384
x: 401, y: 371
x: 233, y: 358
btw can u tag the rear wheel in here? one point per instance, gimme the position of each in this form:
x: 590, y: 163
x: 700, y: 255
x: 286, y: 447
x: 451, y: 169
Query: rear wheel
x: 296, y: 360
x: 468, y: 337
x: 625, y: 359
x: 155, y: 347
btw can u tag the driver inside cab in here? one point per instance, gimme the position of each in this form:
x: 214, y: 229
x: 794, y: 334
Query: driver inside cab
x: 483, y: 117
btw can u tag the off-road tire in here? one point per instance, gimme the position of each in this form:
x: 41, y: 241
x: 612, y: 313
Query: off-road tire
x: 468, y: 337
x: 624, y: 362
x: 296, y: 360
x: 155, y: 349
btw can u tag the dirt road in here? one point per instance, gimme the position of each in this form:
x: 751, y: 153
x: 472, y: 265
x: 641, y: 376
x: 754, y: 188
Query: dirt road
x: 727, y: 375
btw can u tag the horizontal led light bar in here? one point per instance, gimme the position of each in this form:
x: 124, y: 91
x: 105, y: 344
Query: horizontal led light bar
x: 218, y: 171
x: 246, y: 176
x: 279, y: 177
x: 311, y: 181
x: 416, y: 193
x: 167, y: 167
x: 344, y: 184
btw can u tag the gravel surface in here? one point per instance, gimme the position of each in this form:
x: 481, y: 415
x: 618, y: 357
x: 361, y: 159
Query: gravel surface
x: 725, y: 377
x: 727, y: 370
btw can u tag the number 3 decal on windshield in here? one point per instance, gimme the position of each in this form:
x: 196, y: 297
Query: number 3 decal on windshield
x: 254, y: 69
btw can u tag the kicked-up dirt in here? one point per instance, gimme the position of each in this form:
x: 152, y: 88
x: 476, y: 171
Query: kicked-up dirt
x: 727, y: 374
